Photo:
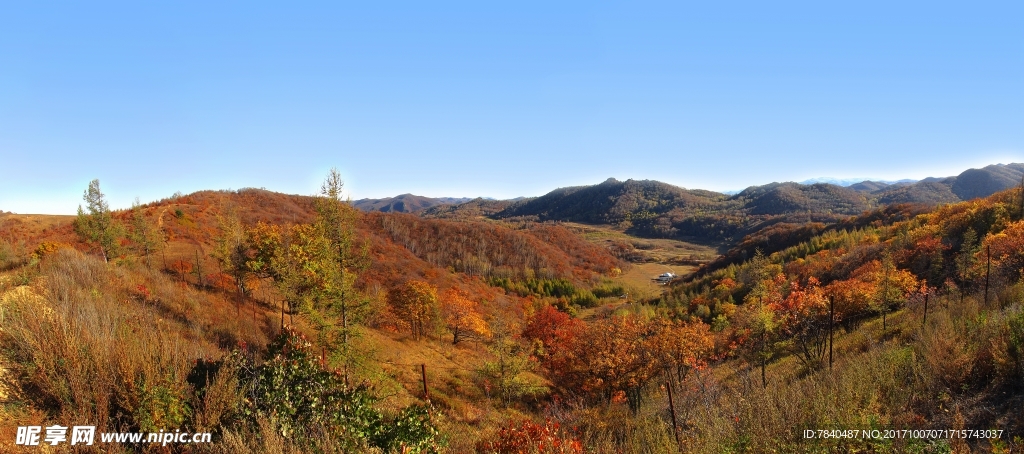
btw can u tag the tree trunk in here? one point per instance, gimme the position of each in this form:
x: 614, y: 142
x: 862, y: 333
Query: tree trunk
x: 924, y: 320
x: 672, y: 408
x: 199, y: 271
x: 831, y: 323
x: 988, y: 268
x: 764, y: 379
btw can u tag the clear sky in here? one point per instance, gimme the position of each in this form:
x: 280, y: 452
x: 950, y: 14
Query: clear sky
x: 498, y: 99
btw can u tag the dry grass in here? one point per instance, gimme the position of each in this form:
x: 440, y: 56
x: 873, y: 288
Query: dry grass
x: 84, y: 352
x: 657, y: 250
x: 114, y: 345
x: 915, y: 376
x: 91, y: 343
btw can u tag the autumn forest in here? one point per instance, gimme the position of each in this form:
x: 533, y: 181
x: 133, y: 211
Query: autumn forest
x: 314, y: 323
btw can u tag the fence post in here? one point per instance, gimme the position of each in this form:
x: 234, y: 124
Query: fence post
x: 423, y: 372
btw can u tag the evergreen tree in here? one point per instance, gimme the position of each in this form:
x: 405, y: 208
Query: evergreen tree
x: 231, y: 250
x: 337, y: 299
x: 98, y: 226
x: 965, y: 272
x: 144, y: 235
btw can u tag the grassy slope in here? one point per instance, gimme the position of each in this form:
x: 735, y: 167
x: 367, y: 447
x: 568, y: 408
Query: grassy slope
x: 916, y: 375
x: 226, y: 322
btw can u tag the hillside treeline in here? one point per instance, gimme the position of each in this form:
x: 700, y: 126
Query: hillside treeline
x: 494, y: 250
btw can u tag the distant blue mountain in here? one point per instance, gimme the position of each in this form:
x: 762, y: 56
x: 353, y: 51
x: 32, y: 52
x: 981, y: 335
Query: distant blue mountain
x: 844, y: 182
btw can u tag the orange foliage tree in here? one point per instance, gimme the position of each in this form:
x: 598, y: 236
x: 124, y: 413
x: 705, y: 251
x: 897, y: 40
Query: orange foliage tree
x: 851, y: 298
x: 1007, y: 251
x: 682, y: 346
x: 531, y: 437
x: 619, y: 355
x: 415, y: 302
x: 462, y: 317
x: 804, y: 316
x: 222, y: 281
x: 892, y: 285
x: 604, y: 358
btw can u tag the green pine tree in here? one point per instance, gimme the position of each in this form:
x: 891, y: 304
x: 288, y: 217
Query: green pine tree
x: 98, y: 226
x: 144, y: 235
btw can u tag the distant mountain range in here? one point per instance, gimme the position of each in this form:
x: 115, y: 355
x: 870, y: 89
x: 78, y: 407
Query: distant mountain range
x: 852, y: 181
x: 406, y: 203
x: 652, y: 208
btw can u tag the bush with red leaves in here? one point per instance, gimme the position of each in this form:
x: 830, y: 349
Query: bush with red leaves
x: 530, y: 437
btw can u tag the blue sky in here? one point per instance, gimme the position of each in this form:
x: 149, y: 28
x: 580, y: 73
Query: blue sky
x: 497, y: 99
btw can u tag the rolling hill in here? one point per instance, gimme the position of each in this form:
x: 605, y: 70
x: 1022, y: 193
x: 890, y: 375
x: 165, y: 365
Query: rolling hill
x: 406, y: 203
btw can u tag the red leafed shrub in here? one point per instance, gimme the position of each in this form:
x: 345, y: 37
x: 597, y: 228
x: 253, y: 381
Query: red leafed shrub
x: 181, y: 267
x: 550, y: 326
x: 142, y: 292
x: 221, y: 281
x: 530, y: 437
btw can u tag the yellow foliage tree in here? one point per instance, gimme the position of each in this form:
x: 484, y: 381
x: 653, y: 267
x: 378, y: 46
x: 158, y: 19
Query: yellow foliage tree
x: 462, y: 317
x: 416, y: 303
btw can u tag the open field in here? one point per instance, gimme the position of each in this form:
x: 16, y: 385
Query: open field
x: 641, y: 276
x: 651, y: 257
x: 657, y: 250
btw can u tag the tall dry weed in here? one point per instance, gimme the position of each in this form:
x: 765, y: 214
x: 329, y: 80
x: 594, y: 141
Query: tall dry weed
x: 960, y: 348
x: 87, y: 354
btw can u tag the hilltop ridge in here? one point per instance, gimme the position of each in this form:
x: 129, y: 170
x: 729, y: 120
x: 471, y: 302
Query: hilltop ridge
x: 406, y: 203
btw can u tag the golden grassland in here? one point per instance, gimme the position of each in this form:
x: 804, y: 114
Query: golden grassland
x: 660, y: 250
